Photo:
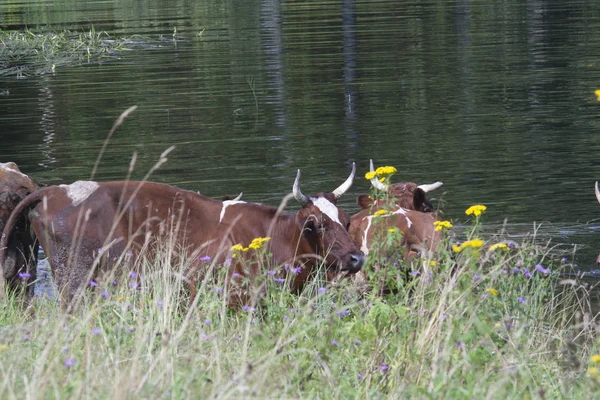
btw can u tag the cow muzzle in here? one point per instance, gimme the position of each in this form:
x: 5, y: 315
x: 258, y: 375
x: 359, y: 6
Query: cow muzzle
x: 354, y: 262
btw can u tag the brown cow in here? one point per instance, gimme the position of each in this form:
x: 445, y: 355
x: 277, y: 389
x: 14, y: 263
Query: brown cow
x: 22, y: 247
x: 410, y: 212
x: 73, y: 222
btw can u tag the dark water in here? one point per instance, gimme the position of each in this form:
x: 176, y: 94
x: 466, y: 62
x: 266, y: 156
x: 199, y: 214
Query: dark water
x: 494, y: 98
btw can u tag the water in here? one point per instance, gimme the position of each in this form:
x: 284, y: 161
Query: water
x: 495, y: 99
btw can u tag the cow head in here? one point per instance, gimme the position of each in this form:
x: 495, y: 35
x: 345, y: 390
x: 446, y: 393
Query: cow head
x: 14, y: 186
x: 407, y: 195
x: 325, y: 226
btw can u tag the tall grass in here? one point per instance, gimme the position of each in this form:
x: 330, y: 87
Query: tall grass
x: 474, y: 324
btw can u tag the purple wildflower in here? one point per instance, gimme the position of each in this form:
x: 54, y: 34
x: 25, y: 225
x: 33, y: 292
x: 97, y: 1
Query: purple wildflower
x: 271, y: 272
x: 286, y: 318
x: 335, y: 343
x: 25, y: 338
x: 129, y: 331
x: 511, y: 245
x: 321, y: 290
x: 133, y: 284
x: 205, y: 258
x: 132, y: 274
x: 246, y: 308
x: 414, y: 273
x: 296, y: 270
x: 343, y: 313
x: 218, y: 289
x: 359, y: 376
x: 520, y: 263
x: 540, y: 268
x: 483, y: 297
x: 236, y: 274
x: 70, y: 362
x: 24, y: 275
x: 504, y: 272
x: 114, y: 282
x: 527, y: 273
x: 104, y: 294
x: 160, y: 303
x: 460, y: 345
x: 96, y: 331
x: 383, y: 367
x: 92, y: 283
x: 228, y: 261
x: 65, y: 349
x: 522, y: 299
x: 100, y: 250
x: 564, y: 260
x: 357, y: 342
x: 476, y: 277
x: 207, y: 321
x: 287, y: 267
x: 516, y: 270
x: 279, y: 280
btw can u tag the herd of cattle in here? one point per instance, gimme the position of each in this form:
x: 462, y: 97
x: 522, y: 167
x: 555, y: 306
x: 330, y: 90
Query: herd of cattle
x: 86, y: 228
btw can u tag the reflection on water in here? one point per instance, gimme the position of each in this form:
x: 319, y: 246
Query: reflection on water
x: 494, y: 99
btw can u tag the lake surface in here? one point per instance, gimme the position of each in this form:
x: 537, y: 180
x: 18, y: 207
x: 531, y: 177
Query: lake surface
x: 494, y: 98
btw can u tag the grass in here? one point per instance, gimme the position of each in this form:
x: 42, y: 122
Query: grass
x: 462, y: 325
x: 29, y: 53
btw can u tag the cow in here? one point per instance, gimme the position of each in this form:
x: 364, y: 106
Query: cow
x: 76, y: 222
x: 21, y: 247
x: 410, y: 212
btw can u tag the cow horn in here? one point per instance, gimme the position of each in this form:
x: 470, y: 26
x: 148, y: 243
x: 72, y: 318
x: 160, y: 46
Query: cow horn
x: 343, y: 188
x: 597, y: 192
x: 239, y: 196
x: 302, y: 199
x: 375, y: 182
x: 430, y: 187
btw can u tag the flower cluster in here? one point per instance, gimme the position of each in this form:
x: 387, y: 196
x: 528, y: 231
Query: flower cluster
x: 492, y: 291
x: 477, y: 210
x: 474, y: 243
x: 258, y: 242
x: 379, y: 213
x: 439, y: 225
x: 381, y: 172
x: 498, y: 246
x: 594, y: 370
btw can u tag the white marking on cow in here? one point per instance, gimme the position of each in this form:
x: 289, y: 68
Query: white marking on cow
x: 403, y: 212
x: 364, y: 245
x: 6, y: 167
x: 79, y: 191
x: 327, y: 208
x: 226, y: 204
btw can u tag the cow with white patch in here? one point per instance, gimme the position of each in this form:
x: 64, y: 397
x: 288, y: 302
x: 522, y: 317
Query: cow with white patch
x: 21, y: 248
x: 75, y: 222
x: 410, y: 212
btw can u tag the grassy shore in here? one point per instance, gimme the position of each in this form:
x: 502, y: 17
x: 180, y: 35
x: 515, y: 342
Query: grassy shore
x: 24, y: 53
x: 471, y: 323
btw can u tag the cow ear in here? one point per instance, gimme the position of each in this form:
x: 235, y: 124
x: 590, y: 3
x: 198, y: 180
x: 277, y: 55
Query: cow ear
x: 364, y: 201
x: 421, y: 202
x: 331, y: 197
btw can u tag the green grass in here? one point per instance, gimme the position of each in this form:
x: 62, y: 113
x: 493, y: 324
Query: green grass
x: 443, y: 333
x: 29, y: 53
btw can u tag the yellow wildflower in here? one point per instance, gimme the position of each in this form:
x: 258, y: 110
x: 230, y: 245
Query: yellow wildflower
x: 597, y: 93
x: 498, y: 246
x: 439, y: 225
x: 477, y: 209
x: 433, y: 263
x: 592, y: 371
x: 492, y: 291
x: 391, y: 230
x: 596, y: 358
x: 474, y: 243
x: 381, y: 172
x: 3, y: 347
x: 258, y: 242
x: 380, y: 212
x: 239, y: 247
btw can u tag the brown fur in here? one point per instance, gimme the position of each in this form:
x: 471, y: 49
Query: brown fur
x: 131, y: 216
x: 21, y: 247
